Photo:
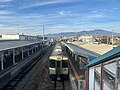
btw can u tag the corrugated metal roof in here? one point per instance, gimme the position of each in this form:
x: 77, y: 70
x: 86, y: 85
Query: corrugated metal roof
x: 80, y: 51
x: 115, y: 52
x: 4, y: 45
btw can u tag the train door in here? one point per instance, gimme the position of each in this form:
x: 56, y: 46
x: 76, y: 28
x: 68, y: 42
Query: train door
x: 58, y: 70
x: 64, y: 67
x: 58, y: 67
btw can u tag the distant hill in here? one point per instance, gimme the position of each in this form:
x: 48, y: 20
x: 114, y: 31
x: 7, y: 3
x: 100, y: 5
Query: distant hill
x: 98, y: 32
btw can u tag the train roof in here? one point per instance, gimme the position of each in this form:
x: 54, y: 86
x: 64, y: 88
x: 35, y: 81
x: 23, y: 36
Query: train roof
x: 58, y: 58
x: 57, y: 50
x: 58, y: 46
x: 58, y: 53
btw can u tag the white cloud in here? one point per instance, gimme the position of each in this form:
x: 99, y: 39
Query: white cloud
x: 3, y: 6
x: 62, y: 13
x: 5, y: 12
x: 6, y: 0
x: 95, y: 11
x: 57, y: 28
x: 96, y: 16
x: 47, y: 2
x: 1, y: 25
x: 31, y: 16
x: 115, y: 8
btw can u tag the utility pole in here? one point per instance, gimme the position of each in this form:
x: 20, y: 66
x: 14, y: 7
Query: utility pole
x: 43, y: 33
x: 17, y: 29
x: 112, y: 37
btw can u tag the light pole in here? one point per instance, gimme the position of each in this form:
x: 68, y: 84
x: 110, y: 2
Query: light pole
x: 112, y: 37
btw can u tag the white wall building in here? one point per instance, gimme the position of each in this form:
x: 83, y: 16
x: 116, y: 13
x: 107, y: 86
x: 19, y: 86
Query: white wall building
x: 7, y: 37
x: 86, y: 38
x: 18, y: 37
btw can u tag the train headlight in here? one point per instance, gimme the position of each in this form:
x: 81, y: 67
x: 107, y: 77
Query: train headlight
x: 52, y: 70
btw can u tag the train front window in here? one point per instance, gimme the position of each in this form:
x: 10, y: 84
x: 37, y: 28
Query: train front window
x: 52, y: 64
x: 64, y: 64
x: 58, y: 64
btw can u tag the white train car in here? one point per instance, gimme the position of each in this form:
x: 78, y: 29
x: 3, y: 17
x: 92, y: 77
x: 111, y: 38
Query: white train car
x: 58, y: 64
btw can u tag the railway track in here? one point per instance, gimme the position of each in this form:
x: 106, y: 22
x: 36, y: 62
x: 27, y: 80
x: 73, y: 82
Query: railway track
x: 15, y: 81
x: 60, y: 85
x: 40, y: 80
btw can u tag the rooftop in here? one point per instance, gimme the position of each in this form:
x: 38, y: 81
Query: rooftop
x: 4, y: 45
x: 98, y: 48
x: 80, y: 51
x: 114, y: 53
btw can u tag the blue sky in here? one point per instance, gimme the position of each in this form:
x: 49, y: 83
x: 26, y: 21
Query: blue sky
x: 28, y: 16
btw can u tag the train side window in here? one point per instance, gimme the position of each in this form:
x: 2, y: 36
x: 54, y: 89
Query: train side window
x: 97, y: 78
x: 64, y: 64
x: 52, y: 63
x: 119, y: 73
x: 110, y: 80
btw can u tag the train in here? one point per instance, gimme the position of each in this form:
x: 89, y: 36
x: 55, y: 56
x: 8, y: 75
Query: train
x: 58, y: 64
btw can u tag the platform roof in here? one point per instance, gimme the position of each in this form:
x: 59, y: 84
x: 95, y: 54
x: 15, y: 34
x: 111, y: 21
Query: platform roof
x: 5, y: 45
x: 114, y: 53
x: 80, y: 51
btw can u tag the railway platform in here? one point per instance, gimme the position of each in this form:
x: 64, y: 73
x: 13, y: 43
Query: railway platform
x: 15, y: 56
x: 78, y: 59
x: 35, y: 54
